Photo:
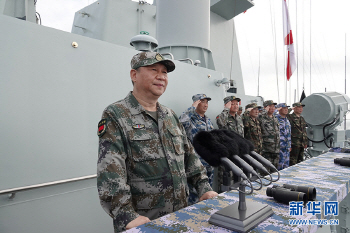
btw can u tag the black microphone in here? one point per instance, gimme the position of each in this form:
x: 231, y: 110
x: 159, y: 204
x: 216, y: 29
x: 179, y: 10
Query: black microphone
x: 258, y: 157
x: 233, y: 150
x: 244, y: 149
x: 214, y: 153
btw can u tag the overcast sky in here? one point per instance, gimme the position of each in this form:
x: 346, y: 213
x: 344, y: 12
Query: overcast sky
x: 260, y: 28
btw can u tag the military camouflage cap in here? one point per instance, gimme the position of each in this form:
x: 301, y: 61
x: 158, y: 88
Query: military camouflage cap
x: 252, y: 105
x: 282, y: 105
x: 200, y: 97
x: 230, y: 98
x: 150, y: 58
x: 269, y: 102
x: 298, y: 104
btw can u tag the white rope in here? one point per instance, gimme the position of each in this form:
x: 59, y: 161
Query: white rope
x: 273, y: 26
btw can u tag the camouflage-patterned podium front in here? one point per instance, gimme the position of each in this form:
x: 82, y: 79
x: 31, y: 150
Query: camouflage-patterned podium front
x: 330, y: 180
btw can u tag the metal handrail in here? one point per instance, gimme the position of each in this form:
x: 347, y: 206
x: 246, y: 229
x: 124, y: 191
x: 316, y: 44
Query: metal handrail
x: 187, y: 59
x: 30, y: 187
x: 169, y: 54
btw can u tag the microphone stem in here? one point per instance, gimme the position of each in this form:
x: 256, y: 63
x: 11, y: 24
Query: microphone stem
x: 242, y: 205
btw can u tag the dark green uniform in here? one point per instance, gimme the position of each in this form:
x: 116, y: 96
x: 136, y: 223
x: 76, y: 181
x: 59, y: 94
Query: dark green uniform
x: 271, y: 138
x: 299, y: 138
x: 226, y: 121
x: 252, y: 132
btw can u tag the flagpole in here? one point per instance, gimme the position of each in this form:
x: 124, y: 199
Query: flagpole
x: 259, y: 73
x: 296, y: 29
x: 310, y: 48
x: 345, y: 82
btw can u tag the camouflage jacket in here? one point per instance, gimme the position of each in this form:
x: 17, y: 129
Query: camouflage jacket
x: 226, y: 121
x: 285, y: 133
x: 143, y: 166
x: 298, y: 124
x: 270, y: 133
x: 252, y: 132
x: 194, y: 123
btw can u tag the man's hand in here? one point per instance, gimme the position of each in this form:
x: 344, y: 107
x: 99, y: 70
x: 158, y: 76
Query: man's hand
x: 195, y: 103
x: 208, y: 195
x: 228, y: 105
x: 267, y: 108
x: 137, y: 222
x: 279, y: 108
x: 248, y: 109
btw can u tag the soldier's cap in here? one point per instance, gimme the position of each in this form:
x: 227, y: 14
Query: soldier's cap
x: 269, y: 102
x: 150, y: 58
x: 298, y: 104
x: 200, y: 97
x: 230, y: 98
x: 282, y: 105
x: 252, y: 105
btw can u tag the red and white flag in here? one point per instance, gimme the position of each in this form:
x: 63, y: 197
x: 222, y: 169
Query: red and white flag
x: 288, y: 40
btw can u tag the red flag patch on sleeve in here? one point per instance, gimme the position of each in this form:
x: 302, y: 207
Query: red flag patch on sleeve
x: 102, y: 125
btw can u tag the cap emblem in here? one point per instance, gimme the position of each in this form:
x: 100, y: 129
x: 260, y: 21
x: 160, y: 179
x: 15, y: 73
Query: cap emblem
x: 159, y: 57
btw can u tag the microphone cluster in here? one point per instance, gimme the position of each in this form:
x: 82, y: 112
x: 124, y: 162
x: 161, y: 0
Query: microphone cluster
x: 235, y: 153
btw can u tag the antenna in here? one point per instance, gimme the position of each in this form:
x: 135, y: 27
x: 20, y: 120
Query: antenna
x: 259, y: 73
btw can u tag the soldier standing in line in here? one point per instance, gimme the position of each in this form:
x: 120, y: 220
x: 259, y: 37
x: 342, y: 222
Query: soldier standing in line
x: 285, y: 135
x: 299, y: 136
x: 145, y: 160
x: 240, y: 111
x: 252, y: 129
x: 270, y: 133
x: 228, y: 118
x: 194, y: 120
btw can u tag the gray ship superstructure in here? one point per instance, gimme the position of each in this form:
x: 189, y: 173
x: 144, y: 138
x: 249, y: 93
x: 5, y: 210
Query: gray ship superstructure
x: 54, y: 86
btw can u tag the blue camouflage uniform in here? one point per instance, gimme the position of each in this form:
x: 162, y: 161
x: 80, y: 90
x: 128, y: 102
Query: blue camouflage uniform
x: 285, y: 140
x: 194, y: 123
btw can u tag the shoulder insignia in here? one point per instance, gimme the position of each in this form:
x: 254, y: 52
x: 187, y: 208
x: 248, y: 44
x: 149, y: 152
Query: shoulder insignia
x: 102, y: 125
x: 138, y: 126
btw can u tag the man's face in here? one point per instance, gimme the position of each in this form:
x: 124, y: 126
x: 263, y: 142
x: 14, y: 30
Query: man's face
x: 234, y: 106
x: 202, y: 106
x: 239, y: 112
x: 283, y: 111
x: 298, y: 110
x: 151, y: 79
x: 254, y: 113
x: 271, y: 109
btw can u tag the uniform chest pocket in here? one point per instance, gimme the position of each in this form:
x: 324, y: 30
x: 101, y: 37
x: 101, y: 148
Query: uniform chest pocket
x: 177, y: 139
x: 144, y: 145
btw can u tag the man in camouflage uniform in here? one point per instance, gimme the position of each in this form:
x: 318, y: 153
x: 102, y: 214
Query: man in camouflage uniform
x: 252, y: 129
x: 240, y: 109
x: 285, y: 135
x: 270, y: 133
x: 228, y: 118
x: 194, y: 120
x: 299, y: 136
x: 145, y: 159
